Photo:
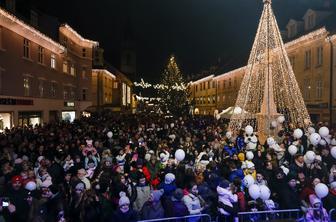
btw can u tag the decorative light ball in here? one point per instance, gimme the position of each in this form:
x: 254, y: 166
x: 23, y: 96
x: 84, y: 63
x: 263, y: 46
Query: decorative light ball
x: 248, y: 180
x: 311, y: 130
x: 249, y: 130
x: 265, y: 192
x: 274, y: 124
x: 179, y: 155
x: 298, y: 133
x: 249, y: 155
x: 270, y: 141
x: 324, y: 131
x: 281, y: 119
x: 333, y: 152
x: 321, y: 190
x: 254, y: 191
x: 228, y: 134
x: 31, y: 185
x: 292, y: 150
x: 109, y: 134
x: 310, y: 156
x: 314, y: 138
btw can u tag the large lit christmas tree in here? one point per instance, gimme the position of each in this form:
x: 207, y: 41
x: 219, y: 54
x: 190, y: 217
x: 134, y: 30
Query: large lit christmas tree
x: 269, y: 88
x: 174, y: 95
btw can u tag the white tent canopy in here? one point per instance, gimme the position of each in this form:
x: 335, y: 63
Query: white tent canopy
x: 227, y: 113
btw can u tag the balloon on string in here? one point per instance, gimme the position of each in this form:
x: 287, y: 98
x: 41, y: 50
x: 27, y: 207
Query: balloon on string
x: 323, y: 142
x: 31, y: 185
x: 270, y: 141
x: 249, y: 155
x: 321, y: 190
x: 249, y: 130
x: 179, y: 155
x: 306, y: 160
x: 281, y: 119
x: 248, y: 180
x: 298, y: 133
x: 314, y: 139
x: 254, y: 191
x: 109, y: 134
x: 310, y: 156
x: 311, y: 130
x: 265, y: 192
x: 333, y: 152
x: 324, y: 131
x: 292, y: 150
x: 172, y: 125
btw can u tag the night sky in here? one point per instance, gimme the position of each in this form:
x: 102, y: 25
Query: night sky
x: 200, y: 33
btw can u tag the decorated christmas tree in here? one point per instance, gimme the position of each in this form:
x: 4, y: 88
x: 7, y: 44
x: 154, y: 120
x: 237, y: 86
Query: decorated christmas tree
x: 174, y: 94
x: 269, y: 88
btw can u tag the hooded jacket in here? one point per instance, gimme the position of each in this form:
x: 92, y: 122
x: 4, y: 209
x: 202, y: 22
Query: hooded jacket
x: 225, y: 197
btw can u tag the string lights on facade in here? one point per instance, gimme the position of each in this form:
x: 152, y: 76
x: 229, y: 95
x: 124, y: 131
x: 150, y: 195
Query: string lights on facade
x: 146, y: 85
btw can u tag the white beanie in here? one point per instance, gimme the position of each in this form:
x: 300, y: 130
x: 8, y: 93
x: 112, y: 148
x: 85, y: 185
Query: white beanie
x: 333, y: 185
x: 169, y: 178
x: 123, y: 199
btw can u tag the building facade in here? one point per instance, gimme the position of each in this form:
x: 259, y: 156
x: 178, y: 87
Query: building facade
x: 41, y: 79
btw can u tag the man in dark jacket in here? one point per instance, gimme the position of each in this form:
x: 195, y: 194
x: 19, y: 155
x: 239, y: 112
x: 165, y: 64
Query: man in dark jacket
x: 176, y: 207
x: 124, y: 213
x: 288, y: 195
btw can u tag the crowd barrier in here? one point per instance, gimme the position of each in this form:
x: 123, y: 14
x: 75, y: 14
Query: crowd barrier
x: 295, y: 215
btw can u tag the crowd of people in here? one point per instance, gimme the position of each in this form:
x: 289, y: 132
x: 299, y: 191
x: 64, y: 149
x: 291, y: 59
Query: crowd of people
x: 124, y: 168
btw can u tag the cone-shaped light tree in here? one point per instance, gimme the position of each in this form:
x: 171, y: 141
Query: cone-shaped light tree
x: 269, y: 88
x: 174, y: 96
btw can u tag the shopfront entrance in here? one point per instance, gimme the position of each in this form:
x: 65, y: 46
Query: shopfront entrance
x: 30, y: 118
x: 6, y: 120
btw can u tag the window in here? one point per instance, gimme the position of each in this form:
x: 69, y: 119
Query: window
x: 319, y: 88
x: 292, y: 61
x: 65, y: 66
x: 72, y: 70
x: 319, y: 56
x: 84, y: 52
x: 40, y: 54
x: 72, y: 93
x: 230, y: 82
x: 311, y: 22
x: 214, y: 99
x: 65, y: 93
x: 306, y: 91
x: 26, y: 52
x: 128, y: 95
x: 53, y: 89
x: 213, y: 84
x: 224, y: 83
x: 84, y: 94
x: 115, y: 85
x: 26, y: 86
x: 123, y: 94
x: 209, y: 100
x: 208, y: 84
x: 292, y: 31
x: 307, y: 63
x: 196, y: 88
x: 41, y: 88
x: 83, y: 73
x: 53, y: 61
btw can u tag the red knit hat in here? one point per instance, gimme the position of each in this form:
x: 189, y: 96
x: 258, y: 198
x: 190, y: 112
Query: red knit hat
x: 16, y: 179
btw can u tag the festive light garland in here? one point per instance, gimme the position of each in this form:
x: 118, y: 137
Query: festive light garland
x: 140, y: 98
x: 105, y: 72
x: 269, y: 82
x: 87, y: 41
x: 146, y: 85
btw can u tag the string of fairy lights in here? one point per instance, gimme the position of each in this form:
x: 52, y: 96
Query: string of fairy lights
x: 146, y: 85
x: 269, y: 64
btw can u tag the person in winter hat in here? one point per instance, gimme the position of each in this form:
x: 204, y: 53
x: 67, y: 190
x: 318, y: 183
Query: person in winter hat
x: 143, y: 192
x: 193, y: 201
x: 227, y: 201
x: 175, y: 206
x: 316, y: 212
x: 152, y: 209
x: 329, y: 202
x: 124, y: 213
x: 168, y: 185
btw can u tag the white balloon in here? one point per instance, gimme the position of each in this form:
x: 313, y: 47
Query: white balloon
x: 333, y: 152
x: 298, y: 133
x: 254, y: 191
x: 292, y: 149
x: 274, y: 124
x: 310, y: 155
x: 311, y: 130
x: 314, y: 138
x: 321, y: 190
x: 248, y: 181
x: 228, y: 134
x: 323, y: 142
x: 249, y: 155
x: 179, y: 154
x: 172, y: 125
x: 307, y: 161
x: 251, y: 146
x: 31, y: 185
x: 324, y: 131
x: 249, y: 130
x: 265, y: 192
x: 333, y: 142
x: 270, y: 141
x: 281, y: 119
x: 109, y: 134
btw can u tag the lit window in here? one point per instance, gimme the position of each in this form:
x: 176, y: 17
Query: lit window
x: 41, y: 88
x: 115, y: 85
x: 53, y: 61
x: 26, y: 52
x: 319, y: 56
x: 72, y: 70
x: 319, y: 88
x: 128, y: 95
x: 83, y: 73
x: 40, y: 54
x: 124, y: 94
x: 307, y: 61
x: 26, y: 86
x: 65, y: 66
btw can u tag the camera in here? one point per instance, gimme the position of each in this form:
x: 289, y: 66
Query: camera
x: 5, y: 201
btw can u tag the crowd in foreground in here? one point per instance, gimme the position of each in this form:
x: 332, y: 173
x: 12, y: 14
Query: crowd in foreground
x: 126, y: 168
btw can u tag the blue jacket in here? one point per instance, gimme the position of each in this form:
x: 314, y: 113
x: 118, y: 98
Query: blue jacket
x: 236, y: 173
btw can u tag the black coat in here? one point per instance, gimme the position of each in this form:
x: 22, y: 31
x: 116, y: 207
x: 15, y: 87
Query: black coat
x: 129, y: 216
x: 289, y: 198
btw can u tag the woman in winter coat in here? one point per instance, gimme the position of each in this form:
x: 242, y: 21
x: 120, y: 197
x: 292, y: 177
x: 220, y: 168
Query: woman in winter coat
x: 193, y: 201
x: 124, y: 213
x: 152, y: 209
x: 143, y: 193
x: 316, y: 213
x: 227, y: 202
